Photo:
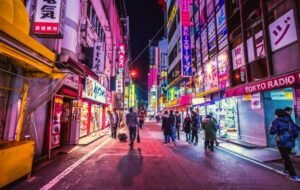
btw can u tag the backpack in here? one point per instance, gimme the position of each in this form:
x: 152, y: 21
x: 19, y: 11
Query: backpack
x: 287, y: 138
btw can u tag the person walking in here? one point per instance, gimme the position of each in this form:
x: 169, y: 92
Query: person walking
x: 195, y: 127
x: 115, y: 123
x: 217, y: 127
x: 112, y: 120
x: 187, y: 127
x: 141, y: 120
x: 166, y: 128
x: 286, y: 132
x: 132, y: 123
x: 171, y: 123
x: 177, y: 123
x: 209, y: 127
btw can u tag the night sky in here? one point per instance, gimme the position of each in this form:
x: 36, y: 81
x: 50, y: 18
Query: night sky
x: 146, y: 18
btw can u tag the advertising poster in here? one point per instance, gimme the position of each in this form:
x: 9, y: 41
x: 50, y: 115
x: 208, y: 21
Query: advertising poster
x: 56, y: 122
x: 283, y: 31
x: 223, y: 67
x: 211, y: 75
x: 202, y: 13
x: 221, y: 27
x: 211, y: 36
x: 238, y: 58
x: 210, y: 8
x: 255, y: 101
x: 94, y: 90
x: 204, y: 45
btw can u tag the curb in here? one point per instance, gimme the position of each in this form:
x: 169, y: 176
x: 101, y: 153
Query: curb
x: 252, y: 160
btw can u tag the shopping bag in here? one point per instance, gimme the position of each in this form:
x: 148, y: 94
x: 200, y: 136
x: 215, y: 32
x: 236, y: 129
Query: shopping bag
x: 138, y: 139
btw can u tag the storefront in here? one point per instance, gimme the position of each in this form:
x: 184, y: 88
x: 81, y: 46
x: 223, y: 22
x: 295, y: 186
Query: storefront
x: 65, y: 113
x: 92, y: 117
x: 260, y: 100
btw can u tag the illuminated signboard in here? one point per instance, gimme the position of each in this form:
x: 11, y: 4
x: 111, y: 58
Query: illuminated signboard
x: 94, y: 90
x: 47, y: 19
x: 223, y: 67
x: 121, y: 53
x: 119, y: 83
x: 186, y: 52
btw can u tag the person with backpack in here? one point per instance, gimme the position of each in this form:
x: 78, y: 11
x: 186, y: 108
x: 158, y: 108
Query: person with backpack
x: 132, y: 123
x: 177, y: 123
x: 286, y: 132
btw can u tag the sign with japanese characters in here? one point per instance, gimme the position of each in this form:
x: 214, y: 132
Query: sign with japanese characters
x: 186, y: 50
x: 211, y: 36
x: 238, y: 58
x: 121, y: 56
x: 221, y: 27
x: 99, y: 57
x: 71, y: 80
x: 94, y: 90
x: 48, y: 18
x: 204, y: 45
x: 56, y: 121
x: 119, y: 83
x: 283, y: 31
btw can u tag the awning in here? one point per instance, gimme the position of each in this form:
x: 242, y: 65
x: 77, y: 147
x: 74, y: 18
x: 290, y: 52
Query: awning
x: 26, y: 52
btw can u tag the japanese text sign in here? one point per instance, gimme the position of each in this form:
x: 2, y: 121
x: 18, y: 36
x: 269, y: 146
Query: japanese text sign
x: 238, y: 56
x: 99, y: 57
x: 283, y: 31
x: 119, y: 83
x: 186, y: 51
x: 94, y: 90
x: 121, y: 53
x: 47, y: 20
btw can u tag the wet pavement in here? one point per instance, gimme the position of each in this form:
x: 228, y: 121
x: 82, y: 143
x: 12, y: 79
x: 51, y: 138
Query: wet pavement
x: 109, y: 164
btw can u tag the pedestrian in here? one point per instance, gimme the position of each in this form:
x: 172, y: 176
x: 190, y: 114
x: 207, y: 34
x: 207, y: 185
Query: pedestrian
x: 166, y: 128
x: 195, y: 127
x: 286, y: 132
x: 187, y: 127
x: 141, y: 120
x: 115, y: 123
x: 171, y: 123
x: 217, y: 126
x: 132, y: 123
x: 177, y: 123
x: 112, y: 124
x: 210, y: 129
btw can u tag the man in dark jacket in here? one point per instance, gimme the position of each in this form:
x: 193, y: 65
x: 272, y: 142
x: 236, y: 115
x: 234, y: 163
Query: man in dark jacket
x: 166, y: 127
x: 171, y: 123
x: 195, y: 127
x: 177, y: 122
x: 209, y: 127
x: 285, y: 130
x: 132, y: 123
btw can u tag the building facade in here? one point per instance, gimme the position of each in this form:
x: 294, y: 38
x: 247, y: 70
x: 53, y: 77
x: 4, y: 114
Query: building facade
x: 63, y: 81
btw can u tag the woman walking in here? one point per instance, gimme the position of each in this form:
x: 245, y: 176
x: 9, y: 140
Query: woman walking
x: 195, y: 127
x: 286, y: 131
x: 210, y: 129
x: 187, y: 127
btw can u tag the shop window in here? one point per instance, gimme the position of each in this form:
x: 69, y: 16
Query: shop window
x: 258, y: 69
x: 239, y: 76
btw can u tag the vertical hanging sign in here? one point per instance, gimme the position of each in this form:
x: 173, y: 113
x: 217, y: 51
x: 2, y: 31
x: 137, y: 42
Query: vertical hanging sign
x: 99, y: 57
x: 186, y: 52
x: 47, y: 19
